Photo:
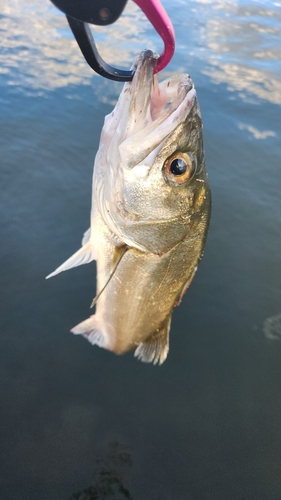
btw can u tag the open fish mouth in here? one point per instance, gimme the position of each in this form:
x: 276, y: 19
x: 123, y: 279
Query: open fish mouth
x: 152, y: 110
x: 146, y: 112
x: 150, y: 98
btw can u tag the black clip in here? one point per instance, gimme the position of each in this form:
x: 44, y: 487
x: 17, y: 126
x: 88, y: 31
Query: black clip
x: 85, y: 40
x: 80, y: 13
x: 100, y: 12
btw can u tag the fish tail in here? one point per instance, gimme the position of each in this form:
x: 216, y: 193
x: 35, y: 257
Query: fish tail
x: 90, y: 330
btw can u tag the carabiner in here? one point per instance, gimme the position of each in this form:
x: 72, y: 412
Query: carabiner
x: 103, y: 12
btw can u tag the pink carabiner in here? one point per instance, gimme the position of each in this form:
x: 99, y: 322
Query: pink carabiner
x: 159, y: 19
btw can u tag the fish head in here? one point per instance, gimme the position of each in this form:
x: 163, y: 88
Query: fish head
x: 150, y: 178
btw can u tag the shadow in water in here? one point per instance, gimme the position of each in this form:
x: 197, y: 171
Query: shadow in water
x: 108, y: 476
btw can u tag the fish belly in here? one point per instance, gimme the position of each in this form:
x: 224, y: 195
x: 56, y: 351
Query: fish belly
x: 134, y: 310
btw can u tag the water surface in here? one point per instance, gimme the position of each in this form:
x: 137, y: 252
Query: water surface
x: 205, y: 425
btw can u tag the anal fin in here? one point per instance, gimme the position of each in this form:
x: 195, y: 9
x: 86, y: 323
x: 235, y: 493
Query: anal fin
x: 89, y: 329
x: 155, y: 349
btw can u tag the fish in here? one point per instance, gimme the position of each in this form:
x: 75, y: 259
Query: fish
x: 151, y: 205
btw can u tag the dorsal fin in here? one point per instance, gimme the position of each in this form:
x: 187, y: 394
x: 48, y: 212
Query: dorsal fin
x: 119, y: 252
x: 155, y: 349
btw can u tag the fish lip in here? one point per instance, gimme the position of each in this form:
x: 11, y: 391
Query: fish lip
x: 147, y: 57
x: 142, y: 82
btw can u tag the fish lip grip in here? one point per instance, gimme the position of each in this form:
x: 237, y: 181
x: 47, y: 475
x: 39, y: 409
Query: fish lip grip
x: 156, y: 14
x: 80, y: 13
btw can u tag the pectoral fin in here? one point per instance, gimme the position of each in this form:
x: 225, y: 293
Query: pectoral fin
x: 86, y: 237
x: 155, y: 349
x: 82, y: 256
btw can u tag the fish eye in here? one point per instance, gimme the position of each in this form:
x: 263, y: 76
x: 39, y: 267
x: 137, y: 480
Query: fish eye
x: 180, y: 167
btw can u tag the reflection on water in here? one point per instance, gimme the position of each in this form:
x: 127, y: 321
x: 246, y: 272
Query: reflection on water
x: 243, y: 40
x: 38, y: 50
x: 34, y: 54
x: 206, y: 425
x: 263, y: 84
x: 239, y: 42
x: 257, y: 134
x: 272, y: 327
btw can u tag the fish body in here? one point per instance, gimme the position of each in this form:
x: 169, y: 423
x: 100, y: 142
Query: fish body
x: 151, y: 206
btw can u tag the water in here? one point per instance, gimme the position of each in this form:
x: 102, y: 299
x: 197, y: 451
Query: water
x: 205, y: 425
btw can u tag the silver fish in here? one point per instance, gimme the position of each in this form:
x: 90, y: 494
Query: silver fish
x: 151, y: 206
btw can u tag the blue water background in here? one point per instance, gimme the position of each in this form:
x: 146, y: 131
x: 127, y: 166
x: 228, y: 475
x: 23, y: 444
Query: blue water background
x: 207, y: 424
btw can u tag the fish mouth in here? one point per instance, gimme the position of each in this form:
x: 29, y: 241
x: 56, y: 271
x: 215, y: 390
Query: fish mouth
x: 151, y: 110
x: 150, y: 99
